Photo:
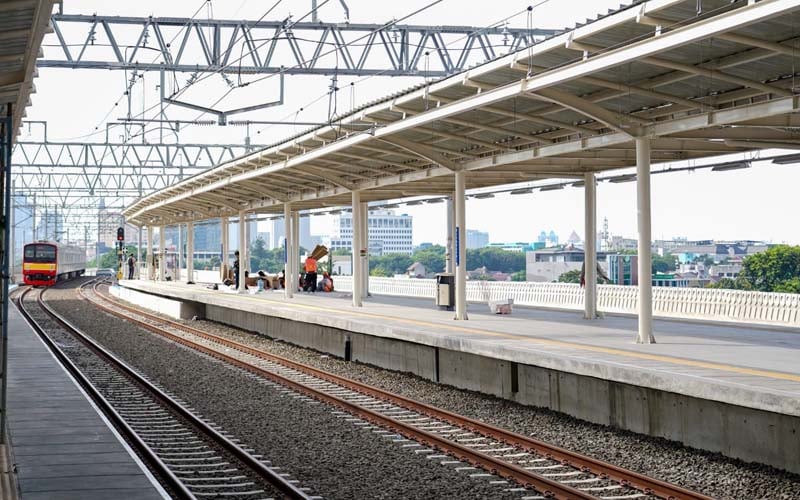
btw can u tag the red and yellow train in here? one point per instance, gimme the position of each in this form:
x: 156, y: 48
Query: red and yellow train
x: 46, y: 262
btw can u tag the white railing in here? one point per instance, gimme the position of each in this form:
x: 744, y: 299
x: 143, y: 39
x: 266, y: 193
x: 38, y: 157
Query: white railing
x: 692, y: 303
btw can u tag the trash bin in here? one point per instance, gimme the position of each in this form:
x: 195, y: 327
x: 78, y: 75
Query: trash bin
x: 446, y: 290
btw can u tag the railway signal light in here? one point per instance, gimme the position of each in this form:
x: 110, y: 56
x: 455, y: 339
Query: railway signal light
x: 120, y: 234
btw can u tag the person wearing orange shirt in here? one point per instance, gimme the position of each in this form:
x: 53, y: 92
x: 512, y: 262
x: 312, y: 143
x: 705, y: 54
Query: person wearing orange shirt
x: 311, y: 275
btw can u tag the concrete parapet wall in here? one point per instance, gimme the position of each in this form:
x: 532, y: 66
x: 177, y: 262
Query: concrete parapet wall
x: 702, y: 304
x: 749, y: 434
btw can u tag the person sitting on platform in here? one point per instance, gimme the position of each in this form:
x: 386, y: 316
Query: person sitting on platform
x: 327, y: 282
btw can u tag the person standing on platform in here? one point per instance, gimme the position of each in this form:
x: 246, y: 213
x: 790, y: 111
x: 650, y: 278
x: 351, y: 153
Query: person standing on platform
x: 236, y: 269
x: 131, y: 265
x: 311, y: 275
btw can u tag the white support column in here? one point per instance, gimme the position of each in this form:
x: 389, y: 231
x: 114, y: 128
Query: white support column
x: 461, y: 245
x: 296, y: 248
x: 590, y: 246
x: 365, y: 244
x: 225, y: 237
x: 179, y: 254
x: 139, y: 256
x: 149, y: 254
x: 357, y: 245
x: 190, y: 252
x: 242, y: 250
x: 138, y: 252
x: 645, y: 241
x: 162, y: 261
x: 450, y: 249
x: 287, y: 250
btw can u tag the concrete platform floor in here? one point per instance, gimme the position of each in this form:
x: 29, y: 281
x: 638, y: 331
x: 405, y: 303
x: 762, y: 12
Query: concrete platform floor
x: 62, y: 447
x: 750, y: 367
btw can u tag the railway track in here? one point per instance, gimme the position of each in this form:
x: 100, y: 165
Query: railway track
x: 190, y: 456
x: 553, y: 472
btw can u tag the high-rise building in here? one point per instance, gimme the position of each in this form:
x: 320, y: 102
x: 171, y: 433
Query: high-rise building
x: 23, y: 225
x: 477, y: 239
x: 207, y: 237
x: 279, y: 233
x: 395, y: 232
x: 51, y: 224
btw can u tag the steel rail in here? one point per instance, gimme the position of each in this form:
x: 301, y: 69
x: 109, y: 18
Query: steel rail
x: 174, y: 484
x: 626, y: 477
x: 548, y: 487
x: 264, y: 472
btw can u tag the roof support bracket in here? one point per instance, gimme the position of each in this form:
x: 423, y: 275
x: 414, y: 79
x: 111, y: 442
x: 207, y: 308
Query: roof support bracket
x: 423, y: 152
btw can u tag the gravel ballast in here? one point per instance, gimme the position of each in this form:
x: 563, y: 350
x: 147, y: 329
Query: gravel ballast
x: 708, y: 473
x: 333, y: 456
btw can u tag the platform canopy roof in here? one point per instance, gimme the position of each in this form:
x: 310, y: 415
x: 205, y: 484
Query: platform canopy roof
x: 23, y: 24
x: 698, y: 78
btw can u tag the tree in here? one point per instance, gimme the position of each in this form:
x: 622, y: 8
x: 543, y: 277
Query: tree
x: 390, y: 264
x: 724, y: 283
x: 663, y: 264
x: 495, y: 259
x: 519, y: 276
x: 777, y: 269
x: 573, y: 276
x: 433, y: 258
x: 380, y: 272
x: 109, y: 259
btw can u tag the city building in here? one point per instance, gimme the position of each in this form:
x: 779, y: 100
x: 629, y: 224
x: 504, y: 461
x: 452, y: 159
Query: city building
x: 623, y: 269
x: 207, y: 240
x: 574, y: 239
x: 342, y: 265
x: 619, y: 243
x: 51, y: 225
x: 719, y: 271
x: 511, y: 247
x: 549, y: 239
x: 416, y: 270
x: 477, y: 239
x: 548, y: 264
x: 719, y: 251
x: 23, y: 225
x: 670, y: 280
x: 306, y: 240
x: 394, y: 232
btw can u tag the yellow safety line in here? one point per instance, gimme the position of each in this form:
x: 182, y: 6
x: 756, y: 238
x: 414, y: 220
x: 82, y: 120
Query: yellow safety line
x: 607, y: 350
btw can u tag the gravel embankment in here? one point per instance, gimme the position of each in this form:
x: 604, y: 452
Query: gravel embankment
x: 330, y: 455
x: 709, y: 473
x: 115, y: 387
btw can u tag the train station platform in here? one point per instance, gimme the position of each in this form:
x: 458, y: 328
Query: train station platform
x: 722, y: 388
x: 61, y: 445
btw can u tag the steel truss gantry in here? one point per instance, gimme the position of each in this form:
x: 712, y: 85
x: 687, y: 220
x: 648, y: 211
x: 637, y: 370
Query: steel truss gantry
x: 65, y: 170
x: 309, y: 48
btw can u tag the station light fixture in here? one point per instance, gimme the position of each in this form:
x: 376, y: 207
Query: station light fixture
x: 435, y: 200
x: 414, y: 202
x: 483, y: 196
x: 554, y: 187
x: 736, y: 165
x: 623, y: 178
x: 578, y: 184
x: 787, y: 159
x: 521, y: 191
x: 391, y: 205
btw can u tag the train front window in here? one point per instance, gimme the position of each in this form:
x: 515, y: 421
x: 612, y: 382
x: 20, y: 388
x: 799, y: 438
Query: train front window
x: 40, y: 253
